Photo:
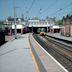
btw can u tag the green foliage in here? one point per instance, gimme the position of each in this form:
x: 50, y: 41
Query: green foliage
x: 59, y: 22
x: 1, y: 24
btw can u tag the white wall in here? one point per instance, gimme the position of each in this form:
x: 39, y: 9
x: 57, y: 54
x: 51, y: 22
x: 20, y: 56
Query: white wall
x: 17, y: 26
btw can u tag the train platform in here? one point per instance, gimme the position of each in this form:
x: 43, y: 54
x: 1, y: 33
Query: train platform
x: 46, y: 63
x: 59, y: 36
x: 26, y: 55
x: 16, y: 56
x: 12, y: 37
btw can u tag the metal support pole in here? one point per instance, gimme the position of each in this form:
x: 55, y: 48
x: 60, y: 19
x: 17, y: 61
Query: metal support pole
x: 47, y: 26
x: 15, y: 19
x: 32, y: 27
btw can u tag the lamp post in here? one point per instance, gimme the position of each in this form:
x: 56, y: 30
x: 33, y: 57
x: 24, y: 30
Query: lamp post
x: 32, y: 27
x: 15, y: 18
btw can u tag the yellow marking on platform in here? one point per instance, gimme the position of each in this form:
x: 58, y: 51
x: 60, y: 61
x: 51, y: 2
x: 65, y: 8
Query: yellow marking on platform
x: 34, y: 61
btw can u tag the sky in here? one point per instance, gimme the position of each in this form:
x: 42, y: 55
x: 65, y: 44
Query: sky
x: 37, y: 8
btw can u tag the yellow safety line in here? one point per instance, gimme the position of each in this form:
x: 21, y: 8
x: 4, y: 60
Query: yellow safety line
x: 34, y: 61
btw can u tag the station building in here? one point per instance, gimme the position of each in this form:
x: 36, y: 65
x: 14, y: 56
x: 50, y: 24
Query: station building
x: 9, y: 25
x: 34, y: 24
x: 66, y: 29
x: 55, y: 29
x: 29, y: 25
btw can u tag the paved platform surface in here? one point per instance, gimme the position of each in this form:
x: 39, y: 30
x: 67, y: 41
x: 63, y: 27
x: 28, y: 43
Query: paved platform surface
x: 58, y: 35
x: 12, y: 37
x: 15, y: 56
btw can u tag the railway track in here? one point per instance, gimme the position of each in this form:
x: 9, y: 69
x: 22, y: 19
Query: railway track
x: 59, y: 51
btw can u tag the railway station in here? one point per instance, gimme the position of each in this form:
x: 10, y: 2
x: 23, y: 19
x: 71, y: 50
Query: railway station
x: 25, y: 54
x: 35, y: 35
x: 35, y: 46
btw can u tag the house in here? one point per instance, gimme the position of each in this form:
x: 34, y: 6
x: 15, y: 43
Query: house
x: 66, y: 29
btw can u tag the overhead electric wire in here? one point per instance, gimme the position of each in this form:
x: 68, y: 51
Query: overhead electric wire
x: 61, y: 9
x: 29, y: 9
x: 50, y: 6
x: 31, y: 6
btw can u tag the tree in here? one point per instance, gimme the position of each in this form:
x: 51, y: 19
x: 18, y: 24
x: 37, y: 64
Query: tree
x: 59, y: 22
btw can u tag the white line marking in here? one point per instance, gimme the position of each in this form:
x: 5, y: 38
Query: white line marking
x: 52, y: 57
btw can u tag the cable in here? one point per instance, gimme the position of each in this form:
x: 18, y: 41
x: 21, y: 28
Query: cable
x: 50, y: 6
x: 31, y: 5
x: 61, y: 9
x: 27, y: 12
